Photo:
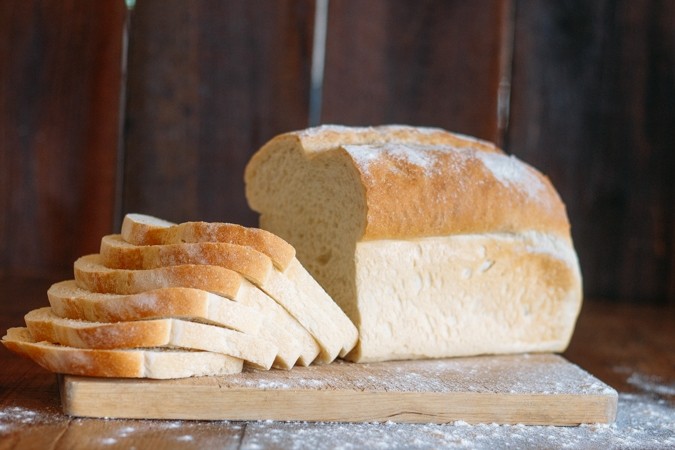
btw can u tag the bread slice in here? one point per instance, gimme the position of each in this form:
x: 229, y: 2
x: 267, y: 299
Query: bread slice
x: 92, y: 275
x: 434, y: 244
x: 141, y: 229
x: 293, y: 289
x: 116, y: 253
x: 123, y: 363
x: 44, y: 325
x: 71, y: 302
x: 295, y: 343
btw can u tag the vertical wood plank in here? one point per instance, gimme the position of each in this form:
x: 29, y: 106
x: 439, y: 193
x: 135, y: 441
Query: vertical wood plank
x: 593, y: 105
x: 209, y: 82
x: 432, y: 62
x: 59, y: 105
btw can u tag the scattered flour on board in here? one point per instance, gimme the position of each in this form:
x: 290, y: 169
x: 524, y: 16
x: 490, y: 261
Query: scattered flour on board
x: 12, y: 417
x: 545, y: 374
x: 642, y: 422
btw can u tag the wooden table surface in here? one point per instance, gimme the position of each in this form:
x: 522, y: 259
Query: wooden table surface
x: 630, y: 347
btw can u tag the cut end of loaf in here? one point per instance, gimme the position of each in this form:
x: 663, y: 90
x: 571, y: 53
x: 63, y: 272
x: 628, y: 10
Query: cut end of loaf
x: 322, y: 230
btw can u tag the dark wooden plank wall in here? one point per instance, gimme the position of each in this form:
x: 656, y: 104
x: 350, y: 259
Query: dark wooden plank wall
x: 592, y: 88
x: 593, y: 105
x: 209, y: 82
x: 429, y: 62
x: 59, y: 109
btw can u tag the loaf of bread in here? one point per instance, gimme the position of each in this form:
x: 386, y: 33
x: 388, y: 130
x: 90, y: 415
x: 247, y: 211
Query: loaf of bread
x: 434, y: 244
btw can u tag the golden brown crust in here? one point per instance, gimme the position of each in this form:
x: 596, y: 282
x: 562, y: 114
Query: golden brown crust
x: 92, y: 275
x: 422, y: 182
x: 145, y: 230
x: 119, y: 254
x: 405, y: 200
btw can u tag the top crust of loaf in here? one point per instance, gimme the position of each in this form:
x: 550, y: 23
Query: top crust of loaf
x: 420, y: 182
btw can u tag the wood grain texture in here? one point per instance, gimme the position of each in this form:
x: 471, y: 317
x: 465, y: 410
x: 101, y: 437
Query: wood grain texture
x: 209, y: 82
x: 59, y: 105
x: 593, y: 106
x: 432, y: 62
x: 529, y: 389
x: 633, y: 346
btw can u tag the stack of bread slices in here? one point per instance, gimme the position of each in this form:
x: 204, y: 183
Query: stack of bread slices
x: 163, y: 300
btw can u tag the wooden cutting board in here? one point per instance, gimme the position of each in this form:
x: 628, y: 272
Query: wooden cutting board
x: 540, y: 389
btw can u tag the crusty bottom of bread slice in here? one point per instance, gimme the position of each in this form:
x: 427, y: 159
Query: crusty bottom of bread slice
x: 121, y: 363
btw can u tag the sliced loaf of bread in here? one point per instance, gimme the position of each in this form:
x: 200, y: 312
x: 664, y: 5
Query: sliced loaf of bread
x: 142, y: 229
x: 294, y: 289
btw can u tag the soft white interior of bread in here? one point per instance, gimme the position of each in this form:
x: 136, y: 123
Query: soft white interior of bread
x: 319, y: 211
x: 281, y: 327
x: 180, y: 364
x: 465, y: 295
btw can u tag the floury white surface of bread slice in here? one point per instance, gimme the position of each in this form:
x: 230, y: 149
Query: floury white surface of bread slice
x: 71, y: 302
x: 294, y: 342
x: 434, y: 244
x: 44, y: 325
x: 141, y: 229
x: 294, y: 289
x: 159, y: 363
